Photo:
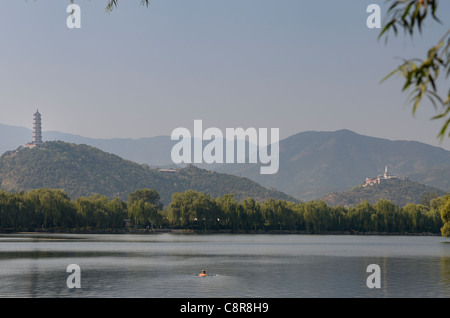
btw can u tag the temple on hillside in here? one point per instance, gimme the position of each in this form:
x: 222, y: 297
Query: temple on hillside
x: 378, y: 180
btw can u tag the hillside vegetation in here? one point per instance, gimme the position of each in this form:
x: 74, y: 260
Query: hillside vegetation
x: 398, y: 191
x: 82, y: 170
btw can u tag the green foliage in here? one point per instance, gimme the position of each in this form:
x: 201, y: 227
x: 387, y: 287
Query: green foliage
x: 421, y: 75
x: 193, y: 210
x: 147, y: 196
x: 113, y: 4
x: 398, y: 191
x: 143, y: 213
x: 82, y: 171
x: 445, y: 215
x: 53, y: 210
x: 98, y: 212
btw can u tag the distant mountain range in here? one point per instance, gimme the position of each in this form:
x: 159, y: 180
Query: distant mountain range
x: 312, y: 163
x: 83, y: 170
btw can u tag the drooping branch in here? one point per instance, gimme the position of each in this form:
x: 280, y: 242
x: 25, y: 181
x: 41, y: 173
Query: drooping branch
x: 421, y: 75
x: 113, y: 4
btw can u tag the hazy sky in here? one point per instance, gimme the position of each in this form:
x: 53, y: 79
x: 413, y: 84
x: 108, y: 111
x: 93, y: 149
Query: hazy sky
x: 140, y: 72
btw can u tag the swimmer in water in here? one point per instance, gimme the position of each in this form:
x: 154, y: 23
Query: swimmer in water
x: 203, y: 273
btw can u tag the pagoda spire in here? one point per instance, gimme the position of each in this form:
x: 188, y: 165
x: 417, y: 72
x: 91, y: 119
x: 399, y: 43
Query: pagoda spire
x: 37, y: 128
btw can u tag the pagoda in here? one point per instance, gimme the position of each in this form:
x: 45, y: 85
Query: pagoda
x: 37, y: 128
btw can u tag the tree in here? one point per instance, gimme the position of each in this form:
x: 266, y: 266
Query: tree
x: 142, y: 213
x: 117, y: 212
x: 194, y: 209
x: 147, y: 195
x: 421, y: 75
x: 252, y: 212
x: 143, y: 207
x: 92, y: 211
x: 52, y: 208
x: 229, y: 209
x: 388, y: 220
x: 445, y: 215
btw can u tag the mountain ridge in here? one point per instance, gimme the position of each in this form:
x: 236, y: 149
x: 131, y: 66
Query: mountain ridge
x: 312, y: 163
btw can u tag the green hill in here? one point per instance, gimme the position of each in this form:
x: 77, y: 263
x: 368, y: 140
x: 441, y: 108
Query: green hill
x: 82, y: 170
x: 398, y: 191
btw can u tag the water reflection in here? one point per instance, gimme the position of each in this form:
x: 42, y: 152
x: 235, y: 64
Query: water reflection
x: 242, y: 265
x: 445, y: 275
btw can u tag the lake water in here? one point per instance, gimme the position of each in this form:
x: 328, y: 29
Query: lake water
x: 240, y: 266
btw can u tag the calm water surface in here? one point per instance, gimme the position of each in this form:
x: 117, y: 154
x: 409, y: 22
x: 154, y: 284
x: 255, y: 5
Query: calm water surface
x: 166, y: 265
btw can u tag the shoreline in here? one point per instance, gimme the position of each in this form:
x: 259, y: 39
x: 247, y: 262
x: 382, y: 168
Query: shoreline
x: 202, y: 232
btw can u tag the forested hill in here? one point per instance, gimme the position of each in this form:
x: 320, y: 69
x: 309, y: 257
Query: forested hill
x: 82, y: 170
x: 398, y: 191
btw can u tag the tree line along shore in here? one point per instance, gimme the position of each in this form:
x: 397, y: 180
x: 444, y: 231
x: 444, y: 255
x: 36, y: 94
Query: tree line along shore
x: 191, y: 211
